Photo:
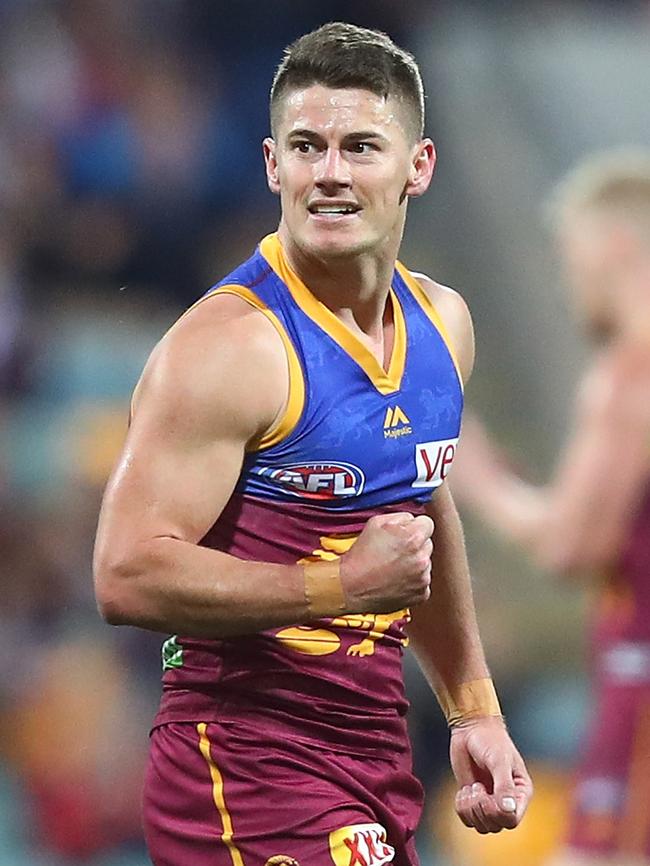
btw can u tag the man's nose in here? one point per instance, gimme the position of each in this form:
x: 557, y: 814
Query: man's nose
x: 333, y: 170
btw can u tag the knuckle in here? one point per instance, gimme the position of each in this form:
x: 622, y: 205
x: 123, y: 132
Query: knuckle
x: 411, y: 544
x: 491, y: 814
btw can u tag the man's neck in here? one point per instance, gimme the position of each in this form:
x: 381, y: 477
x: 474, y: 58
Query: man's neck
x: 355, y: 289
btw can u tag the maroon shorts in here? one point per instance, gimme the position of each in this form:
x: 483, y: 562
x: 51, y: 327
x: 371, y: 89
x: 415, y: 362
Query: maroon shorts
x: 222, y: 795
x: 611, y: 811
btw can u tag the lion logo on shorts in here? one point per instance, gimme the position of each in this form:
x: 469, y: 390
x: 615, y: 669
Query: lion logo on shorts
x: 281, y: 860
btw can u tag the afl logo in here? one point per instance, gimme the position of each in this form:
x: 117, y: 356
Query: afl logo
x: 318, y: 480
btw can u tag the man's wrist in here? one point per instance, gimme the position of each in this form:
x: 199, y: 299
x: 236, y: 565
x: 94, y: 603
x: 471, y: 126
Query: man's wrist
x: 324, y: 592
x: 467, y: 702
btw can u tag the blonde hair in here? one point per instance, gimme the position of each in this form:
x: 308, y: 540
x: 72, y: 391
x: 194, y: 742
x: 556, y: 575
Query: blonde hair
x: 615, y: 182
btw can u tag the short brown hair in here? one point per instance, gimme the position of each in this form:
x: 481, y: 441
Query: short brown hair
x: 340, y: 55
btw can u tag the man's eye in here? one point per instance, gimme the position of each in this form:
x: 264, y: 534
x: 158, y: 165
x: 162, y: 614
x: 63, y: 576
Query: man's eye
x: 303, y: 146
x: 361, y: 147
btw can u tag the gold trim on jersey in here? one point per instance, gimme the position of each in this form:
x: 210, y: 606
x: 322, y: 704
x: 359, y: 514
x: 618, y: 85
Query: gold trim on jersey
x: 429, y: 309
x: 385, y: 381
x: 296, y: 400
x: 218, y: 797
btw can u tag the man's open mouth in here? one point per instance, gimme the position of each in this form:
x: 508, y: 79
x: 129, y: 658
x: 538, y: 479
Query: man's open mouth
x: 333, y: 209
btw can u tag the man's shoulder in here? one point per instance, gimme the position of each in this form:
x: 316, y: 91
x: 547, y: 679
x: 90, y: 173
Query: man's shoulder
x: 449, y: 303
x: 222, y: 356
x: 455, y: 315
x: 437, y: 292
x: 222, y: 323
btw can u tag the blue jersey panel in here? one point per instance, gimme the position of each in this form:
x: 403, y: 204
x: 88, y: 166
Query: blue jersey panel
x: 355, y: 447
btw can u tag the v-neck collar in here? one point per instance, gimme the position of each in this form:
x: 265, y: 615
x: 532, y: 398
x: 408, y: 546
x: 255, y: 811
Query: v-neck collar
x: 385, y: 381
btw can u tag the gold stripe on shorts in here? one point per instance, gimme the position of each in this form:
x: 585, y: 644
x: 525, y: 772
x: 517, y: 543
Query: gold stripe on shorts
x: 218, y: 797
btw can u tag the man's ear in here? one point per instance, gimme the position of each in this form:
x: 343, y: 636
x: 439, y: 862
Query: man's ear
x: 423, y: 162
x: 268, y: 147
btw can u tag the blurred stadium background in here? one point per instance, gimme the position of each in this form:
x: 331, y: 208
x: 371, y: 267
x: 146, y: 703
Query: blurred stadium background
x: 130, y: 180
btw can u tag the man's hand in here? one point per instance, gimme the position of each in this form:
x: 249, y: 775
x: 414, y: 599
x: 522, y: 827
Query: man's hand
x: 389, y: 565
x: 494, y: 785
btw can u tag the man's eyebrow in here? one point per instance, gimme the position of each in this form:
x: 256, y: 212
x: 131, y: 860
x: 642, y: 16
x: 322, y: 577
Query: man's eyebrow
x: 363, y: 134
x: 304, y: 133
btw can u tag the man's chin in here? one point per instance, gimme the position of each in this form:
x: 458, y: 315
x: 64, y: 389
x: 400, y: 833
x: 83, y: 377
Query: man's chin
x: 337, y: 244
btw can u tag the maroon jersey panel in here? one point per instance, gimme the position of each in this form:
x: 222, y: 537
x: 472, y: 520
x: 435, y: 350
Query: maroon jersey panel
x: 338, y: 679
x: 624, y: 609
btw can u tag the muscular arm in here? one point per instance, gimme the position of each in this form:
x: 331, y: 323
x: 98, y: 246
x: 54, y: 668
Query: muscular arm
x: 579, y: 520
x: 444, y: 631
x: 213, y: 384
x: 493, y: 784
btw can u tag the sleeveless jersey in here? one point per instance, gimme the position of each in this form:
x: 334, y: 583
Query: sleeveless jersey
x: 623, y: 609
x: 355, y: 441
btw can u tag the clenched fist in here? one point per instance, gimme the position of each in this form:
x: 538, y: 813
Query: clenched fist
x: 389, y: 565
x: 494, y: 787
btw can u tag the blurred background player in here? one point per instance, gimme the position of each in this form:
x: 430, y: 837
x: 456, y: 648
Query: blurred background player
x: 593, y: 517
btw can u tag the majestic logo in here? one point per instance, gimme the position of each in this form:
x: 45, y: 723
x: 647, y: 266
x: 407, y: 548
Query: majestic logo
x: 360, y: 845
x: 396, y: 423
x: 432, y: 461
x: 318, y: 480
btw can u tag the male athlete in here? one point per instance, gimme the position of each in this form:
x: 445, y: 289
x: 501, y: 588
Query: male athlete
x: 594, y: 515
x: 276, y: 499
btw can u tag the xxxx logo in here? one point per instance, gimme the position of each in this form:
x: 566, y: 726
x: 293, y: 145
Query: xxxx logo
x: 396, y: 423
x: 360, y: 845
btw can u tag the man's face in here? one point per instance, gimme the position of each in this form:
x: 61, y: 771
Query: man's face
x: 343, y: 164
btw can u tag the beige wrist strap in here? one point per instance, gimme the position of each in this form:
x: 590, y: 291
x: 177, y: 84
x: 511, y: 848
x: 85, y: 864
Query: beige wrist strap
x: 469, y: 701
x: 323, y: 588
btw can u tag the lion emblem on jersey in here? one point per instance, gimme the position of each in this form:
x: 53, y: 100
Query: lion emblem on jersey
x: 281, y: 860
